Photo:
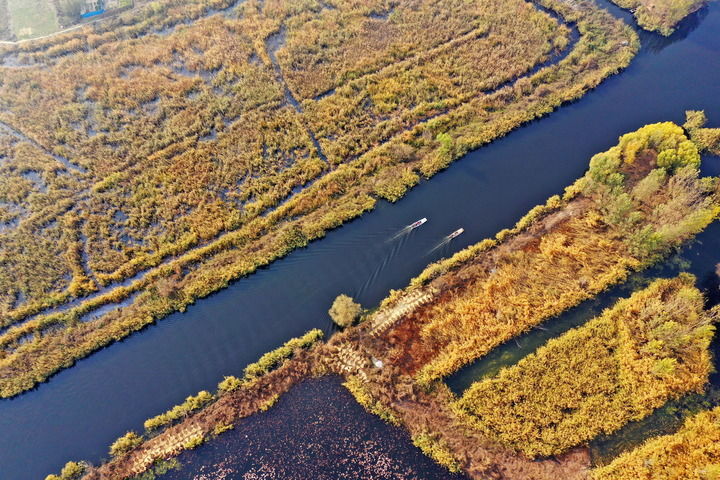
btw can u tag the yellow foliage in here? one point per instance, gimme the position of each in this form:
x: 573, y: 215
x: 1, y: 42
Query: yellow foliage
x: 660, y: 15
x: 184, y: 144
x: 693, y: 453
x: 623, y: 225
x: 596, y: 378
x: 437, y: 450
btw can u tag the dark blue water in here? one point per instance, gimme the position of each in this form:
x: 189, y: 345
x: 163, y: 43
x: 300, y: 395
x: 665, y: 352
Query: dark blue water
x: 316, y: 431
x: 82, y: 409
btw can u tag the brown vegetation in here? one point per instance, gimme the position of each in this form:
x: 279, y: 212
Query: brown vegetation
x: 611, y: 222
x: 650, y: 184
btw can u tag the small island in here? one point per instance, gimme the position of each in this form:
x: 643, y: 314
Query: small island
x: 661, y: 16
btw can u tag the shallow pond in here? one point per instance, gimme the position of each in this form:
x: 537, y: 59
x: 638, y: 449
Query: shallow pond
x: 315, y: 431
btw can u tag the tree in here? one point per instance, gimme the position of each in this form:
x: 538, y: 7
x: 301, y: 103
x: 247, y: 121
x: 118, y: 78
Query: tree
x: 125, y: 443
x: 344, y: 310
x: 70, y: 11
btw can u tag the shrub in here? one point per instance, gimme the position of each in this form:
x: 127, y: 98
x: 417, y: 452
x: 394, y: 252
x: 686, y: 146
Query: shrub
x: 344, y: 311
x: 125, y: 443
x: 179, y: 411
x: 437, y: 450
x: 229, y: 384
x: 272, y: 359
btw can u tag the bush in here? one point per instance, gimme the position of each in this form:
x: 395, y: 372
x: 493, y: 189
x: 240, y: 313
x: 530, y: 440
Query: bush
x: 344, y: 311
x: 125, y: 443
x: 71, y: 471
x: 271, y: 359
x: 229, y: 384
x: 179, y: 411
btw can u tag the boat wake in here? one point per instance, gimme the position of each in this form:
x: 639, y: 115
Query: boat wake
x: 407, y: 229
x: 446, y: 240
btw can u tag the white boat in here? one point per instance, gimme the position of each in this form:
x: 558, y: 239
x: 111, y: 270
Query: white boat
x: 418, y: 223
x: 456, y: 233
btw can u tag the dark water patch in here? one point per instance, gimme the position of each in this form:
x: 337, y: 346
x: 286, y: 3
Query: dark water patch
x: 654, y: 42
x: 315, y: 431
x: 20, y: 299
x: 382, y: 15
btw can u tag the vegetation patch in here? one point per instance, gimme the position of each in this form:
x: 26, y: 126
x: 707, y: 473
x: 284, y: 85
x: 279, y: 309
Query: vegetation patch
x: 690, y: 454
x: 661, y: 15
x: 437, y: 450
x: 707, y: 139
x: 594, y: 379
x: 637, y: 201
x: 32, y: 18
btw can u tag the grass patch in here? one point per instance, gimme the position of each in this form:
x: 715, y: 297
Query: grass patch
x: 32, y: 18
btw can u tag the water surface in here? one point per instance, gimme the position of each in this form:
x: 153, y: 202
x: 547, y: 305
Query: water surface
x: 315, y: 431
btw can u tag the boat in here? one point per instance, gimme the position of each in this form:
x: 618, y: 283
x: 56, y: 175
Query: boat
x: 456, y: 233
x: 418, y: 223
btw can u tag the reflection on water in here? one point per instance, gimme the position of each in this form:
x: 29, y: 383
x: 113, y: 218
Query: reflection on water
x: 315, y: 432
x: 655, y: 43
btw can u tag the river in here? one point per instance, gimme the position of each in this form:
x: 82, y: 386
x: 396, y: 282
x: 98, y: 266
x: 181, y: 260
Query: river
x: 84, y: 408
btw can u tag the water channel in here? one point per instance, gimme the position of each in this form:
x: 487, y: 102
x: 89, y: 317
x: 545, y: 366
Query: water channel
x: 78, y: 412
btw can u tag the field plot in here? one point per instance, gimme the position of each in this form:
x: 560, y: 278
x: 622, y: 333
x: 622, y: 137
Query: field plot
x: 616, y: 368
x: 199, y: 147
x: 32, y: 18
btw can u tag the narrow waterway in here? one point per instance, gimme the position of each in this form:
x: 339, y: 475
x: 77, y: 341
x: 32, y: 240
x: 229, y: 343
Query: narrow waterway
x: 82, y: 409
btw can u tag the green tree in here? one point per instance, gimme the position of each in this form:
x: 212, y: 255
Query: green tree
x: 125, y: 443
x: 72, y: 471
x: 70, y: 11
x: 344, y: 310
